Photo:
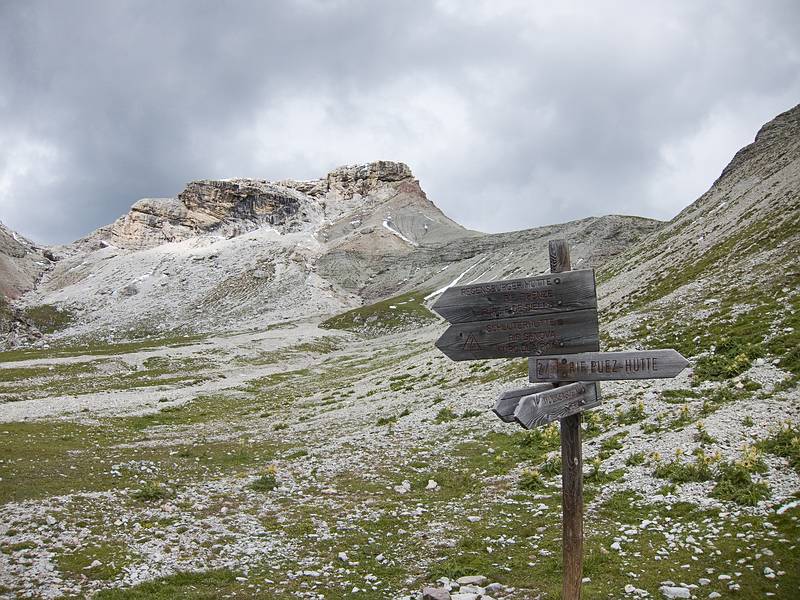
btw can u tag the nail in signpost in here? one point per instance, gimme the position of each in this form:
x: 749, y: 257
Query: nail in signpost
x: 552, y: 319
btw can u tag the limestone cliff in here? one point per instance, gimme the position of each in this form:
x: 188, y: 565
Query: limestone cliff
x: 232, y: 207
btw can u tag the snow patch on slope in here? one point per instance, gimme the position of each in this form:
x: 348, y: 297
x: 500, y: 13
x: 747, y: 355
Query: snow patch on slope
x: 397, y: 233
x: 455, y: 281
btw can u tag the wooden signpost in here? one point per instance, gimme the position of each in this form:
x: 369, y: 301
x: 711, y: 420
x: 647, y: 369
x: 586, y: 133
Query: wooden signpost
x: 507, y: 402
x: 555, y: 404
x: 605, y: 366
x: 552, y: 319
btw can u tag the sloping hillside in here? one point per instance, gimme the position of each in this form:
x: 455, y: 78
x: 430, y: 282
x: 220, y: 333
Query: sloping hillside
x: 723, y: 277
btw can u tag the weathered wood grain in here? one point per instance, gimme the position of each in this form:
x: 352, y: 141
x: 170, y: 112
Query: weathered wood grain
x: 569, y: 332
x: 606, y: 366
x: 572, y: 506
x: 547, y: 406
x: 571, y: 469
x: 507, y: 402
x: 551, y: 293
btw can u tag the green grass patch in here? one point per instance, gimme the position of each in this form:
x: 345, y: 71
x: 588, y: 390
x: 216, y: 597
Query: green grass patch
x: 207, y: 585
x: 735, y: 484
x: 786, y: 443
x: 49, y: 318
x: 444, y: 415
x: 400, y: 313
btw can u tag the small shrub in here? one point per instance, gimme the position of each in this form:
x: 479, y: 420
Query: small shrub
x: 731, y: 357
x: 597, y: 475
x: 531, y: 480
x: 684, y: 418
x: 786, y: 443
x: 151, y: 491
x: 386, y: 420
x: 468, y: 414
x: 702, y: 436
x: 735, y: 484
x: 678, y: 471
x: 666, y: 490
x: 611, y: 444
x: 445, y: 414
x: 552, y: 466
x: 267, y: 482
x: 633, y: 415
x: 635, y: 459
x: 748, y: 421
x: 280, y: 426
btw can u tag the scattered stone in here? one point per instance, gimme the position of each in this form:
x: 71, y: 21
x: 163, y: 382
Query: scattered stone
x: 472, y: 589
x: 675, y: 592
x: 431, y: 593
x: 432, y: 485
x: 473, y: 580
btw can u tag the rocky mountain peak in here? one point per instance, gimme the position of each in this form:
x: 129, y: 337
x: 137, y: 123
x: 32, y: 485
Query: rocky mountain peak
x: 363, y: 179
x: 230, y: 207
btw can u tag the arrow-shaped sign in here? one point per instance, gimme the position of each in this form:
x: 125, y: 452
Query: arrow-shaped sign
x: 507, y: 402
x: 605, y: 366
x: 551, y: 293
x: 573, y: 331
x: 547, y: 406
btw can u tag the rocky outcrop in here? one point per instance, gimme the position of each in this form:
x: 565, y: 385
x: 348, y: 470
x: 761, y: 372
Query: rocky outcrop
x: 227, y: 208
x: 364, y: 179
x: 21, y: 263
x: 235, y: 206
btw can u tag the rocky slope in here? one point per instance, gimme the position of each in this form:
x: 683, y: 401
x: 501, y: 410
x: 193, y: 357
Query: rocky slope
x: 246, y: 253
x: 750, y: 216
x: 721, y: 279
x: 22, y: 263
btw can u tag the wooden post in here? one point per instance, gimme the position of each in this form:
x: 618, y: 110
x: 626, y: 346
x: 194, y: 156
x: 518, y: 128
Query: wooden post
x: 571, y: 471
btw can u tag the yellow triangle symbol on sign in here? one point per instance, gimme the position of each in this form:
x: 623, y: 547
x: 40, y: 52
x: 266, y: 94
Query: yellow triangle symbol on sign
x: 471, y: 344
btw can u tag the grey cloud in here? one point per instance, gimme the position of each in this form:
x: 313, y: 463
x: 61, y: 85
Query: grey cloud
x: 510, y: 117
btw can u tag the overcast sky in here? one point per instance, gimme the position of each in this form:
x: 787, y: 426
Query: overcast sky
x: 511, y: 114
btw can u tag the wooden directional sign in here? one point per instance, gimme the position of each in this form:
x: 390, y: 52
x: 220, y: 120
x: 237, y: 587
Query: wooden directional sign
x: 545, y: 294
x: 552, y: 319
x: 550, y: 405
x: 605, y: 366
x: 573, y: 331
x: 507, y: 402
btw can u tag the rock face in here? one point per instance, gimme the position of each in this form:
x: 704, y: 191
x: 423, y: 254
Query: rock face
x: 226, y: 208
x: 233, y: 207
x: 21, y: 263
